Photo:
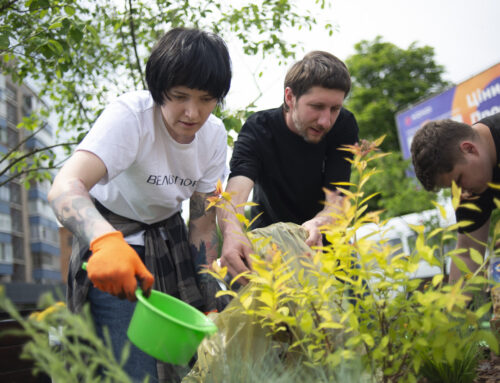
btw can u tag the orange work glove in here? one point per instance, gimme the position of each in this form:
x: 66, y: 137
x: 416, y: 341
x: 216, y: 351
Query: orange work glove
x: 114, y: 266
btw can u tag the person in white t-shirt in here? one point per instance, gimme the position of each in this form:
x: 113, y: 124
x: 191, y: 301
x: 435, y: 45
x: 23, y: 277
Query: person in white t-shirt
x: 121, y: 192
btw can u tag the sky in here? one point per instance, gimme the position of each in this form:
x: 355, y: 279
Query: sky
x: 465, y: 35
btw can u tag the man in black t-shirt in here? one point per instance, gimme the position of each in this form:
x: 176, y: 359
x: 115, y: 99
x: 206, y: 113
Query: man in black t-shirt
x: 445, y: 151
x: 288, y: 155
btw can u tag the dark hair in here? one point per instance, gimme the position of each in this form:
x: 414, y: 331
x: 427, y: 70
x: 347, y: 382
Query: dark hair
x: 192, y: 58
x: 317, y: 68
x: 435, y: 149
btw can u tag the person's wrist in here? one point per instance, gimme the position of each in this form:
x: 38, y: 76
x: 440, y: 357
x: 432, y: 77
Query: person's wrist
x: 234, y: 231
x: 317, y: 222
x: 109, y: 236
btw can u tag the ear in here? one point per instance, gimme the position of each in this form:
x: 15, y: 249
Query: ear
x: 289, y: 97
x: 469, y: 147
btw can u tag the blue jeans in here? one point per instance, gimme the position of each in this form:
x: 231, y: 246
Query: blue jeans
x: 115, y: 314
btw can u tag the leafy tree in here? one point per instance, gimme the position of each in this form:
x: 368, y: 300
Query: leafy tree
x: 81, y: 53
x: 398, y: 193
x: 387, y: 79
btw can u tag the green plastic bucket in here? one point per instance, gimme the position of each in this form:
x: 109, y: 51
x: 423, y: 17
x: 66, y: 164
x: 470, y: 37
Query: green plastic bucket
x: 167, y: 328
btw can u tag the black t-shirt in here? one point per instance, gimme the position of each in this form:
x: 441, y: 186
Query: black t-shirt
x: 289, y: 173
x: 485, y: 200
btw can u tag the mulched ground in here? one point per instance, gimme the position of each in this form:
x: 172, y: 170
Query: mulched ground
x: 488, y: 370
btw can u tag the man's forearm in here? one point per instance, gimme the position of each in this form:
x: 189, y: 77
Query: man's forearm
x: 332, y: 207
x: 324, y: 217
x: 239, y: 188
x: 228, y: 221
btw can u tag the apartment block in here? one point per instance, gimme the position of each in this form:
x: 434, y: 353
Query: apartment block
x: 29, y: 232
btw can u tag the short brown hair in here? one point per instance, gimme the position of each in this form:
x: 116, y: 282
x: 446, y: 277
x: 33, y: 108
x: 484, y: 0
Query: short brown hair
x: 317, y: 68
x: 435, y: 149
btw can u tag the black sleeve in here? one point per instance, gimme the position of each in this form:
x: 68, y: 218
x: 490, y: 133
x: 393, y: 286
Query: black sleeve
x: 485, y: 203
x: 345, y: 132
x: 245, y: 160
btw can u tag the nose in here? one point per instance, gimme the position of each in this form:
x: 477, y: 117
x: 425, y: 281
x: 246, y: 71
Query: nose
x: 325, y: 119
x: 192, y: 110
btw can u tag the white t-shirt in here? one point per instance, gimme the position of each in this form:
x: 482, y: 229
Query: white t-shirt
x: 149, y: 174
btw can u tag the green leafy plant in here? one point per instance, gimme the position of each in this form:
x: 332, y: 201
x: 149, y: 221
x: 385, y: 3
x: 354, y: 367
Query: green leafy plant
x: 354, y: 297
x: 462, y: 370
x: 347, y: 311
x: 64, y: 345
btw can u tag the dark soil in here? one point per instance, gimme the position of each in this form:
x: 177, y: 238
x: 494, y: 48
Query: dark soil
x: 488, y: 370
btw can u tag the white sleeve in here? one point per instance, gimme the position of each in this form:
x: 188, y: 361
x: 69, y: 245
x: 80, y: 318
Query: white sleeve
x: 114, y: 138
x: 217, y: 168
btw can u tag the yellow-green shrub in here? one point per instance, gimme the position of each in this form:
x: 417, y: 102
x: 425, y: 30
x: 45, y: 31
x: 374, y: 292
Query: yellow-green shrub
x: 354, y: 298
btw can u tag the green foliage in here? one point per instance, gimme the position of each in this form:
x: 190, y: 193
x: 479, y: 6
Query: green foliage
x: 78, y: 354
x: 387, y: 79
x: 349, y: 311
x: 355, y: 298
x: 79, y: 54
x: 400, y: 194
x: 462, y: 370
x: 271, y: 368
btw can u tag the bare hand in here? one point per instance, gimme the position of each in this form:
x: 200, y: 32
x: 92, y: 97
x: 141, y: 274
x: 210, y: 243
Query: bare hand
x: 236, y: 251
x: 315, y: 238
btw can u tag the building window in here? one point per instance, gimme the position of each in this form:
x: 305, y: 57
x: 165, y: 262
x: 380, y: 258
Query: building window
x: 5, y: 252
x: 11, y: 114
x: 44, y: 233
x: 27, y: 105
x: 50, y: 261
x: 17, y: 220
x: 34, y: 234
x: 4, y: 193
x: 19, y: 274
x: 12, y: 137
x: 11, y: 93
x: 15, y: 193
x: 40, y: 207
x: 18, y: 248
x: 3, y: 131
x: 37, y: 261
x: 44, y: 261
x: 5, y: 223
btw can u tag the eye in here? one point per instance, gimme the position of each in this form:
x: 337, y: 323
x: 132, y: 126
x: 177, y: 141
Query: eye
x: 178, y: 96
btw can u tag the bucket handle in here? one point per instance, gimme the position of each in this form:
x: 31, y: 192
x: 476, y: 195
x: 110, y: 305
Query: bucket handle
x: 84, y: 267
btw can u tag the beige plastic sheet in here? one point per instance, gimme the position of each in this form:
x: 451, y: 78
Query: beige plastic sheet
x: 238, y: 336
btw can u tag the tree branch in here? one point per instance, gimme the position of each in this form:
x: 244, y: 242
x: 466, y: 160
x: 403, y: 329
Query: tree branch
x: 134, y: 44
x: 26, y: 171
x: 12, y: 150
x: 19, y: 159
x: 7, y: 6
x: 127, y: 57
